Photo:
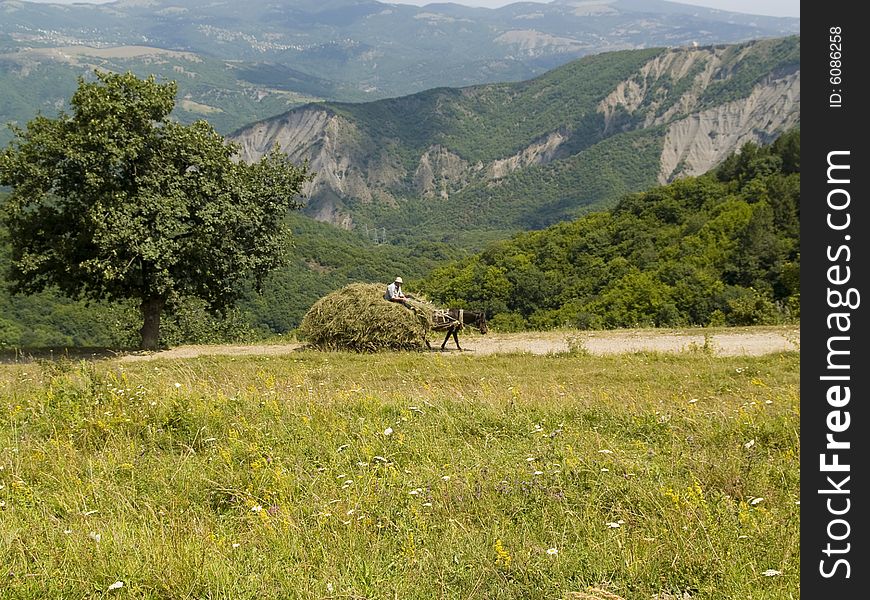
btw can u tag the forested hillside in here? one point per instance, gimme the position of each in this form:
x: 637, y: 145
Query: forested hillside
x: 459, y: 163
x: 722, y: 248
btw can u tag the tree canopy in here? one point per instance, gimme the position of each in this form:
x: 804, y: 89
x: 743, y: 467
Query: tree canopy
x: 117, y: 201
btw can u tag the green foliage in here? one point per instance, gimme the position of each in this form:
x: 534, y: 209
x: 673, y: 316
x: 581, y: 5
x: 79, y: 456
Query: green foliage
x: 718, y: 249
x: 116, y: 202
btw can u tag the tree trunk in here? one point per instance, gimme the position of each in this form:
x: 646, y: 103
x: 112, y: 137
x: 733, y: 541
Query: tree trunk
x: 151, y: 309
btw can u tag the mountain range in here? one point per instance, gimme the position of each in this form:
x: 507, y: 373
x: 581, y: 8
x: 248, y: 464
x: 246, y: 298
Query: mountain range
x: 237, y: 66
x: 484, y: 161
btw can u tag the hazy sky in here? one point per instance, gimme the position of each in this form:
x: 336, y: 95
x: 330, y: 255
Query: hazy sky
x: 776, y: 8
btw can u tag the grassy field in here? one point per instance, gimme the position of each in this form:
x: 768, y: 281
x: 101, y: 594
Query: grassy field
x: 330, y: 475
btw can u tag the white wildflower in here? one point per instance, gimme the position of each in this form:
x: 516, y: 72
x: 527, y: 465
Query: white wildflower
x: 749, y: 444
x: 177, y: 385
x: 95, y: 536
x: 445, y: 478
x: 552, y: 551
x: 115, y: 586
x: 388, y: 431
x: 256, y: 508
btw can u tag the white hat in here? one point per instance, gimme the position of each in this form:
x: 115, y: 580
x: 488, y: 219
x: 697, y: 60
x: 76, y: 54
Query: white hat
x: 399, y: 280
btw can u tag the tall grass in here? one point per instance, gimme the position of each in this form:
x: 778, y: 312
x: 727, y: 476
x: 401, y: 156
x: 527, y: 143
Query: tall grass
x: 332, y: 475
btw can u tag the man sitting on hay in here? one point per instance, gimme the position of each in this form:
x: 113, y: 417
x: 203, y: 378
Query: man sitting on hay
x: 394, y: 293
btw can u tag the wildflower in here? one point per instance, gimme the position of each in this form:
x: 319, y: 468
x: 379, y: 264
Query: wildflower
x: 177, y: 385
x: 388, y: 431
x: 256, y: 508
x: 772, y: 573
x: 236, y: 545
x: 95, y: 536
x: 115, y: 586
x: 552, y: 551
x: 445, y: 478
x: 749, y: 444
x: 503, y: 557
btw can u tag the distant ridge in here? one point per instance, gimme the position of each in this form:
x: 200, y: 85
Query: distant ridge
x: 524, y: 155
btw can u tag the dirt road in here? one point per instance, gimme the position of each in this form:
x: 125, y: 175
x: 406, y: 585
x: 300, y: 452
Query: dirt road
x: 747, y: 341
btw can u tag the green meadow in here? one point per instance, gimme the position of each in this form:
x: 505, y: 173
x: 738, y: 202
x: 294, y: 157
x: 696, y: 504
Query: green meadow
x: 402, y: 475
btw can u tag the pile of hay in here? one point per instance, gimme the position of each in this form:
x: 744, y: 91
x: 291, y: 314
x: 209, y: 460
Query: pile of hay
x: 358, y: 318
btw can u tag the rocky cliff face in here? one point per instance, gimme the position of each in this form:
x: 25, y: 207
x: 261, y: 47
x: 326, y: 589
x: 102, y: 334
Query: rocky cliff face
x: 698, y: 136
x: 691, y: 95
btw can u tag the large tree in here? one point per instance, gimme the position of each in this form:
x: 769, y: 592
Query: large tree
x: 115, y: 200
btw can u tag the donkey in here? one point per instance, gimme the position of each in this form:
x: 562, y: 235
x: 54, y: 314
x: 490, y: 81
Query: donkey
x: 452, y: 320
